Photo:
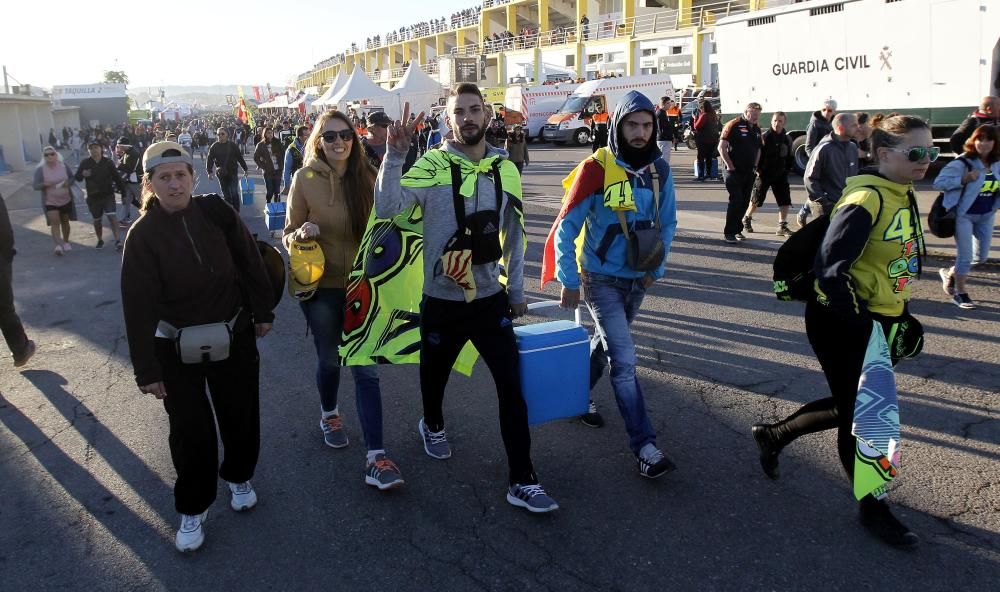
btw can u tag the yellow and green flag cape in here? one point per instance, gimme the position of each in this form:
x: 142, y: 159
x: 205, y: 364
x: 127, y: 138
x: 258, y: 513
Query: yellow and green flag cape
x: 385, y: 287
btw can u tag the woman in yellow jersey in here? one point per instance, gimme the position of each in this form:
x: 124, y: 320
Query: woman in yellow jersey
x: 868, y: 257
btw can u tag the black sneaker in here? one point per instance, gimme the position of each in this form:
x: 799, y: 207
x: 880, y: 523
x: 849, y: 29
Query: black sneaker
x: 100, y: 244
x: 963, y: 301
x: 29, y: 350
x: 783, y: 229
x: 740, y: 237
x: 730, y: 238
x: 592, y: 418
x: 748, y: 224
x: 878, y: 520
x: 653, y: 463
x: 768, y: 448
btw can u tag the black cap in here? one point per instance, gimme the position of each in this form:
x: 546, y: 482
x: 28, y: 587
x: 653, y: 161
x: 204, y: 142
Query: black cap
x: 379, y: 118
x: 93, y: 143
x: 123, y: 141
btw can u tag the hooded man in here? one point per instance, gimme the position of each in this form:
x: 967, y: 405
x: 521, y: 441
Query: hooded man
x: 614, y: 197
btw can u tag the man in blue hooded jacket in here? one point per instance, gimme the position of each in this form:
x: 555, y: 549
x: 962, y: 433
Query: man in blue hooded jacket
x: 620, y: 190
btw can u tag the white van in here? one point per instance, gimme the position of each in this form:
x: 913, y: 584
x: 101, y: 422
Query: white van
x: 571, y: 122
x: 932, y: 58
x: 536, y: 104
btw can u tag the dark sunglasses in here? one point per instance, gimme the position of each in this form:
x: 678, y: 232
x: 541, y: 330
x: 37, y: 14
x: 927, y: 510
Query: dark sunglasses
x: 918, y: 153
x: 50, y: 154
x: 331, y: 137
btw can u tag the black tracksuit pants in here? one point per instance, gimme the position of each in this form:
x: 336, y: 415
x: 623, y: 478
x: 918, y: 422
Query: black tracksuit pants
x: 445, y: 327
x: 840, y: 347
x: 10, y: 323
x: 740, y: 186
x: 233, y: 385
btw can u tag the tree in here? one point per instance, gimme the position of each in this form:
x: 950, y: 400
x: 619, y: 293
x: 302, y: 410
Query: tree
x: 116, y: 76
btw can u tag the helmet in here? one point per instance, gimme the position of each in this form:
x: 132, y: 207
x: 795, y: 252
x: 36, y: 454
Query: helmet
x: 305, y: 268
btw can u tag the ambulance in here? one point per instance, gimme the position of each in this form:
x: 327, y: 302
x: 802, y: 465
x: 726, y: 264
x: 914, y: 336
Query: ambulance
x: 536, y: 104
x: 932, y: 58
x: 571, y: 122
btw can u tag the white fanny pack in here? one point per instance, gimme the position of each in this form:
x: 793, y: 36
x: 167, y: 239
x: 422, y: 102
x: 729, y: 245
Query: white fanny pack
x: 199, y: 344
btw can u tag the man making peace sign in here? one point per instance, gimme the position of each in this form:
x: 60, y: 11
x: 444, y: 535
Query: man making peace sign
x: 470, y: 195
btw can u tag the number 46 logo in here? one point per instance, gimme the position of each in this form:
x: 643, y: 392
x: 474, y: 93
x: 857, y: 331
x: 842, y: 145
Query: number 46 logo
x: 901, y: 227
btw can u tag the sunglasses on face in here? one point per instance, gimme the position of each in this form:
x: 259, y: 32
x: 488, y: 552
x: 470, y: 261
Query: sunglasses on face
x: 50, y: 154
x: 344, y: 135
x: 918, y: 153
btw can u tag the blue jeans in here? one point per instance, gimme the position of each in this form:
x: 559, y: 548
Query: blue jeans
x: 231, y: 190
x: 613, y: 303
x: 325, y: 315
x: 973, y: 234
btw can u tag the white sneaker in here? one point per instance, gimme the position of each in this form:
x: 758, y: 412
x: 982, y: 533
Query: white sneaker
x: 58, y: 250
x: 67, y: 248
x: 244, y: 496
x: 191, y: 534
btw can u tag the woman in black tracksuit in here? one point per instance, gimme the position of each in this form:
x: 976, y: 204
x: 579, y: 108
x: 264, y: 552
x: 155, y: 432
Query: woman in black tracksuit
x: 869, y: 256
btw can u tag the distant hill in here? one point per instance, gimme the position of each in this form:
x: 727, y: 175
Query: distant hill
x: 203, y: 95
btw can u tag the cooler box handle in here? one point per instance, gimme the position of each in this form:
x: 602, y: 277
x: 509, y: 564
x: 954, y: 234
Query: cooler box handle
x: 555, y: 304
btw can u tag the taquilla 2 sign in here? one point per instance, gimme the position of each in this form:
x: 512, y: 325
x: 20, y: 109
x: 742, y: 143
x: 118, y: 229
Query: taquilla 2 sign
x: 840, y: 63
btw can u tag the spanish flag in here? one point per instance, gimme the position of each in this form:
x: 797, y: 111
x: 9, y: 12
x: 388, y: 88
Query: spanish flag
x: 599, y: 172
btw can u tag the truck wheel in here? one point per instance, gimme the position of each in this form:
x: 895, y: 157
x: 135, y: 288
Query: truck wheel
x: 799, y: 152
x: 692, y: 143
x: 581, y: 136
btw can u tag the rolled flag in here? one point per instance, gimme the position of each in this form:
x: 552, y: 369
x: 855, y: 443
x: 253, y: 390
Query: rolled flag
x: 876, y: 420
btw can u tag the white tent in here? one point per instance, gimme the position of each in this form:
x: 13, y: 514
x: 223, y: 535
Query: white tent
x: 306, y: 101
x: 360, y: 88
x: 419, y: 89
x: 335, y: 86
x: 279, y: 102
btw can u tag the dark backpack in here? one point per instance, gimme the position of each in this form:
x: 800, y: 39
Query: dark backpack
x: 940, y: 221
x: 795, y: 262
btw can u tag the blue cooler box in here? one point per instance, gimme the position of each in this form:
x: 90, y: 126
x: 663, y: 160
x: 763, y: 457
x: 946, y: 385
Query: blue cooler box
x: 713, y: 174
x: 274, y: 216
x: 246, y: 190
x: 555, y: 369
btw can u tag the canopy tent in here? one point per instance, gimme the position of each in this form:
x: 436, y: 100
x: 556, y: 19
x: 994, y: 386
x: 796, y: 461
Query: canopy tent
x: 419, y: 89
x: 302, y: 104
x: 336, y: 85
x: 279, y: 102
x: 360, y: 88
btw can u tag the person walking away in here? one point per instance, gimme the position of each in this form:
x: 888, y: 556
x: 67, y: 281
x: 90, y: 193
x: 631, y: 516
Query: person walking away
x: 101, y: 178
x: 129, y: 168
x: 665, y: 128
x: 226, y: 156
x: 833, y: 160
x: 269, y: 157
x: 463, y: 297
x: 869, y: 257
x: 329, y: 202
x: 189, y: 262
x: 987, y: 114
x: 820, y: 126
x: 18, y: 343
x: 706, y: 137
x: 971, y: 186
x: 53, y: 178
x: 631, y: 166
x: 293, y: 158
x: 76, y: 145
x: 772, y: 173
x: 201, y: 141
x: 739, y: 147
x: 517, y: 148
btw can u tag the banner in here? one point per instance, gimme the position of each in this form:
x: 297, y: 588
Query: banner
x: 256, y: 93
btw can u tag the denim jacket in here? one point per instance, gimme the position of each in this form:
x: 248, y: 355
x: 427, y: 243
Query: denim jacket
x: 949, y: 180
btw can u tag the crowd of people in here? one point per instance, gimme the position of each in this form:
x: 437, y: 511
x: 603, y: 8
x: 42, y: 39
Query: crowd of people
x: 197, y: 294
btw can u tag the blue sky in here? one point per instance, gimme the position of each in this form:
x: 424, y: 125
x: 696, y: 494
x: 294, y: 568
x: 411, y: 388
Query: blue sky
x: 193, y: 42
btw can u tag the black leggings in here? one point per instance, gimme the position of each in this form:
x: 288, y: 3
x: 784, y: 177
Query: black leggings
x: 840, y: 347
x: 706, y: 153
x: 445, y: 327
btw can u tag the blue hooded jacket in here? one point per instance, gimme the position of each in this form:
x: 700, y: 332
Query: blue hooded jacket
x: 604, y: 244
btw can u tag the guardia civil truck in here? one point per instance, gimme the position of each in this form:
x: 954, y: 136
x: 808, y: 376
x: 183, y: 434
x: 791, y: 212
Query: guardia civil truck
x: 932, y: 58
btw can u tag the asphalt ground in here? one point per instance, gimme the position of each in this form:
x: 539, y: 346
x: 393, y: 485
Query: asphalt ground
x: 86, y: 476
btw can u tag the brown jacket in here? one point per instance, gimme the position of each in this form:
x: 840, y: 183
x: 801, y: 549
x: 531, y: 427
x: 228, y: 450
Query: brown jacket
x: 317, y: 196
x: 182, y: 268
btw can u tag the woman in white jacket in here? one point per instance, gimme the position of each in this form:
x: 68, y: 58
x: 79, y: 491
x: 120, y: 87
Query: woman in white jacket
x: 971, y: 184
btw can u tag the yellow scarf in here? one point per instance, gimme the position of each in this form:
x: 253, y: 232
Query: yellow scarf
x: 617, y: 188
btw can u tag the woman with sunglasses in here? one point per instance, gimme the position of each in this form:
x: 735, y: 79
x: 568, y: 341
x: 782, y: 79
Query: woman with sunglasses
x: 868, y: 258
x: 971, y: 184
x: 54, y: 178
x: 329, y: 201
